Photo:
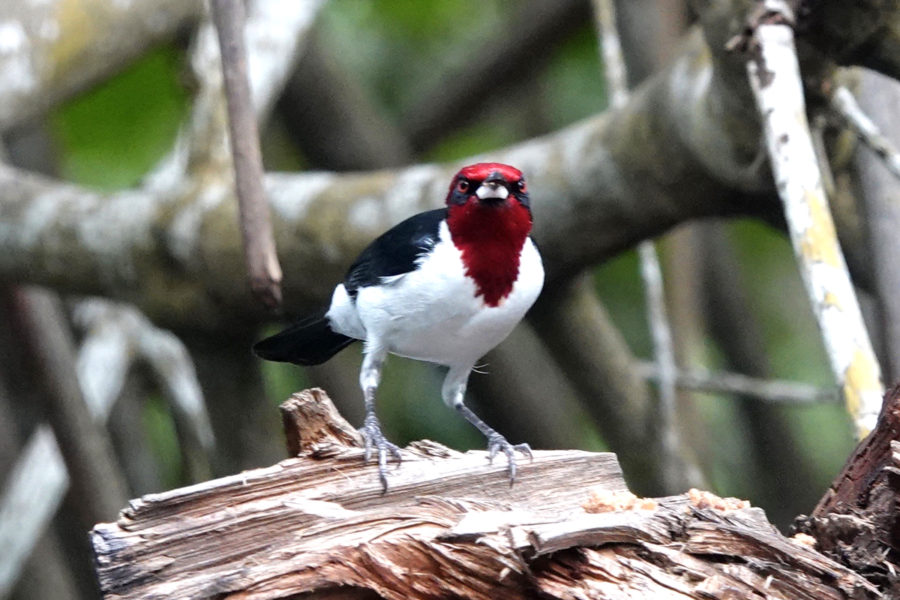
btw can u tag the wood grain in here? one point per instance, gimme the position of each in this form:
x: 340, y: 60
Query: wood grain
x: 449, y: 526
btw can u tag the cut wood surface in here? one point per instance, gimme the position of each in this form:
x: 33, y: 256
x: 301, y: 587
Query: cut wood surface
x: 449, y: 526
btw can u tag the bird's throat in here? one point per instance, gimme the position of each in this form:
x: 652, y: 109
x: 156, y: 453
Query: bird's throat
x: 490, y: 239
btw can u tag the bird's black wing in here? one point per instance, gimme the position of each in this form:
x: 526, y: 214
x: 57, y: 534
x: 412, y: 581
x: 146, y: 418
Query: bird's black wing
x: 395, y: 251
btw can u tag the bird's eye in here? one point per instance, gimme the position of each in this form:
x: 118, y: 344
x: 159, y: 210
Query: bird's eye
x: 521, y: 185
x: 462, y: 185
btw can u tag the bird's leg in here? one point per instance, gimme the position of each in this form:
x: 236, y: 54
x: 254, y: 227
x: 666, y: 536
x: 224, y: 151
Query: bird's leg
x: 369, y: 378
x: 454, y: 390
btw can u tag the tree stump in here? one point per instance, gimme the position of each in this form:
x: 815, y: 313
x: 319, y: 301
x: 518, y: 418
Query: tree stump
x: 450, y: 525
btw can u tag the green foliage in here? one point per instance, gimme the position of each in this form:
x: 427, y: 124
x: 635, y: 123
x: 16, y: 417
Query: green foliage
x: 163, y: 440
x: 110, y: 136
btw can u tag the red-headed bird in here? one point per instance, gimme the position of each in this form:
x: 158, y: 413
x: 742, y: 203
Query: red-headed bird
x: 444, y: 286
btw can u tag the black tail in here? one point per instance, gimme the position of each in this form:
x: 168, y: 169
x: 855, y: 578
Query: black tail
x: 308, y: 342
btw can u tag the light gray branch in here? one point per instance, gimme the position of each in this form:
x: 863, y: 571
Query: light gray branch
x: 599, y: 186
x: 611, y: 52
x: 844, y: 104
x: 774, y: 74
x: 50, y: 50
x: 115, y: 337
x: 722, y: 382
x: 879, y: 191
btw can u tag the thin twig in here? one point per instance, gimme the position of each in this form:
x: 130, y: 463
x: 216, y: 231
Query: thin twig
x: 256, y: 224
x: 774, y: 74
x: 677, y: 466
x: 773, y: 391
x: 611, y: 53
x: 664, y: 356
x: 848, y: 109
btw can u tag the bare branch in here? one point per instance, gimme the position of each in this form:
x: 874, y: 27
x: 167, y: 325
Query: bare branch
x: 274, y: 34
x: 677, y: 468
x: 877, y: 188
x: 31, y: 494
x: 611, y: 52
x: 610, y: 180
x: 256, y: 225
x: 844, y: 104
x: 723, y: 382
x: 86, y: 450
x: 115, y: 335
x: 775, y: 78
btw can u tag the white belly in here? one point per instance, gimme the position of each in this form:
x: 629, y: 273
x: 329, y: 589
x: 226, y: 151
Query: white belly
x: 432, y: 313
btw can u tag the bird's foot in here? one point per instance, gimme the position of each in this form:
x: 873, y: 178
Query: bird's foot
x: 374, y: 439
x: 497, y: 443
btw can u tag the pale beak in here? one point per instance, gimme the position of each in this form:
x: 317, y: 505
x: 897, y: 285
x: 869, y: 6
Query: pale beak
x: 492, y: 189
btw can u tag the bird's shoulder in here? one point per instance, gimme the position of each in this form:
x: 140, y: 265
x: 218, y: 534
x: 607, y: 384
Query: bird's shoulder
x: 396, y: 251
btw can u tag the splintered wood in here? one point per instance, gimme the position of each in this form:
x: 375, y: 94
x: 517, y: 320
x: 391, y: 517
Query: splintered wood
x: 449, y: 526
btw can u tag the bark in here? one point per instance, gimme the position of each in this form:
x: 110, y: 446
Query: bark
x: 606, y: 183
x: 449, y: 526
x: 858, y: 518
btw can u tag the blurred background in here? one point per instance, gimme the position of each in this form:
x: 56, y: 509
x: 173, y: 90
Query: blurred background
x: 377, y: 85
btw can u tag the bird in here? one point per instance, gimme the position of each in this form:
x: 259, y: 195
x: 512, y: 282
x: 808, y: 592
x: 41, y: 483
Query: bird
x: 443, y: 286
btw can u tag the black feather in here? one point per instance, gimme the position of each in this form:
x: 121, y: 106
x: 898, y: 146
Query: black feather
x: 396, y: 251
x: 307, y: 342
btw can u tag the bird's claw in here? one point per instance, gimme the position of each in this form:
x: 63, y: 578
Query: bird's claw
x: 374, y: 439
x: 498, y: 443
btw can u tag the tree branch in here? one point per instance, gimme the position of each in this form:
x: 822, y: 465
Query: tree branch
x: 775, y: 78
x: 52, y: 50
x: 723, y: 382
x: 614, y: 182
x: 845, y: 105
x: 256, y: 225
x: 878, y: 190
x: 611, y: 180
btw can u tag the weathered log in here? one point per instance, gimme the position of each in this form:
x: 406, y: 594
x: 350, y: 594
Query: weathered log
x: 857, y: 522
x: 449, y: 526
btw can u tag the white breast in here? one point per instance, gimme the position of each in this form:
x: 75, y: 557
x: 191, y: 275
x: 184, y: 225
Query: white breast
x: 432, y: 313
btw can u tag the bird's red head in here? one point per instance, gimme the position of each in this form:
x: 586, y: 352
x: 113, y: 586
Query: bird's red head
x: 489, y: 217
x: 493, y: 184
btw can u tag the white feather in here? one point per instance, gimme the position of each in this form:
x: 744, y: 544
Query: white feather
x: 432, y: 313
